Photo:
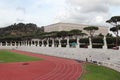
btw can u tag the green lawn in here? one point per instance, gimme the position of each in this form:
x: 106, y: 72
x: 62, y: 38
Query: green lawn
x: 7, y: 56
x: 94, y: 72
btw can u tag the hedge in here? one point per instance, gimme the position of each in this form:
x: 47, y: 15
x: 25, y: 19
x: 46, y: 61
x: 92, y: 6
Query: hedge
x: 98, y: 40
x: 73, y: 40
x: 84, y: 40
x: 112, y: 40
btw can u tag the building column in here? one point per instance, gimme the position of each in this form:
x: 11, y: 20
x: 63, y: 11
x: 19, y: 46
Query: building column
x: 11, y: 44
x: 68, y: 45
x: 15, y: 44
x: 26, y: 43
x: 18, y: 43
x: 53, y: 43
x: 78, y: 44
x: 6, y: 44
x: 47, y: 43
x: 42, y: 43
x: 90, y: 43
x: 59, y: 43
x: 105, y: 43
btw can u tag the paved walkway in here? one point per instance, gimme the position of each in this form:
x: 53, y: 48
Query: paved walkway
x: 51, y: 68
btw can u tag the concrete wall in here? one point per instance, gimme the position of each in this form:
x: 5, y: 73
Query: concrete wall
x: 109, y: 58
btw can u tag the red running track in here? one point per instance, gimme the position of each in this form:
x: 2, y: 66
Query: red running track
x: 51, y: 68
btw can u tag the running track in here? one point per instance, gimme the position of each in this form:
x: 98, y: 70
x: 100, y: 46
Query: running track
x: 51, y: 68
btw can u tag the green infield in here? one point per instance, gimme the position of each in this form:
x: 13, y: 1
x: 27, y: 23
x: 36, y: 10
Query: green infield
x: 7, y: 56
x: 95, y: 72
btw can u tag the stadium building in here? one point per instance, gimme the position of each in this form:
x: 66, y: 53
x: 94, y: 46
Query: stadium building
x: 71, y: 26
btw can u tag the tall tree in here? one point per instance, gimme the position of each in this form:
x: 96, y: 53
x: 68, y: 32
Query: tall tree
x: 76, y: 33
x: 53, y: 34
x: 109, y: 35
x: 91, y: 30
x: 115, y: 21
x: 114, y: 30
x: 62, y: 34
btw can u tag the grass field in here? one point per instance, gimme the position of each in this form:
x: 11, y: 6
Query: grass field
x: 7, y: 56
x: 94, y: 72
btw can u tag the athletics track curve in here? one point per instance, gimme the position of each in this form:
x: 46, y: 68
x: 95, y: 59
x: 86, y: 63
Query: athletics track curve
x: 51, y: 68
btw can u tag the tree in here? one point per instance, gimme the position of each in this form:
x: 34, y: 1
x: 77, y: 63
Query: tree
x: 91, y: 30
x: 83, y: 34
x: 109, y: 35
x: 75, y: 32
x: 62, y: 34
x: 115, y: 20
x: 53, y: 34
x: 114, y: 30
x: 100, y: 35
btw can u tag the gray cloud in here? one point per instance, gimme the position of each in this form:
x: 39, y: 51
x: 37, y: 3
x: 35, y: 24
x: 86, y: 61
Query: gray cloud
x: 98, y: 8
x: 45, y: 12
x: 94, y: 12
x: 89, y: 5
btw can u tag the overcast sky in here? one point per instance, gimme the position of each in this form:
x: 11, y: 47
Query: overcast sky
x: 45, y: 12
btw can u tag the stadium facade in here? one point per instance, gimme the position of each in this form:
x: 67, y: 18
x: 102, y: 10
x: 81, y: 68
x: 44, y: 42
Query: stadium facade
x: 71, y: 26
